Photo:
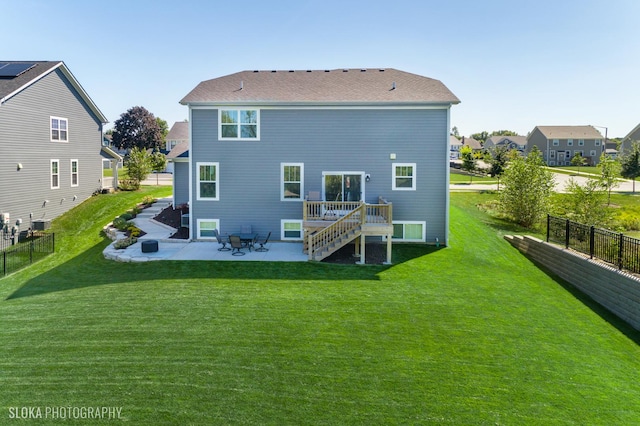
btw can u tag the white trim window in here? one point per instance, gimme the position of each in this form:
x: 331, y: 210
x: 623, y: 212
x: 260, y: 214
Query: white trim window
x: 404, y: 176
x: 556, y: 142
x: 239, y: 124
x: 205, y: 228
x: 55, y: 174
x: 592, y: 153
x: 208, y: 188
x: 552, y: 153
x: 580, y: 142
x: 291, y: 230
x: 569, y: 142
x: 578, y: 151
x: 598, y: 141
x: 75, y: 177
x: 410, y: 231
x: 291, y: 181
x: 59, y: 129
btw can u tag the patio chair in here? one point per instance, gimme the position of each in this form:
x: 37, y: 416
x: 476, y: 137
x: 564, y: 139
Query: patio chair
x: 236, y: 245
x: 221, y: 240
x: 262, y: 242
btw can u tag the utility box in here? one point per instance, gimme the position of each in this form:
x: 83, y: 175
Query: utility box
x: 41, y: 225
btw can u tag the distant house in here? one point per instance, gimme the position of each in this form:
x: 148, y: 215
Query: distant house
x: 518, y: 143
x: 50, y: 143
x: 178, y: 135
x: 293, y: 152
x: 456, y: 144
x: 178, y: 162
x: 559, y: 144
x: 633, y: 135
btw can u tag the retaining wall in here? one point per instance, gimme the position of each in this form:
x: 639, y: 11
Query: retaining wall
x: 616, y: 290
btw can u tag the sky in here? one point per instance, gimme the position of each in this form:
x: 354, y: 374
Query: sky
x: 514, y: 64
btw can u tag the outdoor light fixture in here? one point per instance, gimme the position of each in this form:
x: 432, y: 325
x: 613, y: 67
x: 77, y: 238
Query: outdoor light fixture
x: 367, y: 177
x: 392, y: 156
x: 19, y: 166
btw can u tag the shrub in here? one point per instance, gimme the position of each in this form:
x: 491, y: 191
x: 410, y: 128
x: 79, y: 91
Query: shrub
x: 120, y: 223
x: 135, y: 211
x: 124, y: 243
x: 134, y: 231
x: 127, y: 216
x: 148, y: 200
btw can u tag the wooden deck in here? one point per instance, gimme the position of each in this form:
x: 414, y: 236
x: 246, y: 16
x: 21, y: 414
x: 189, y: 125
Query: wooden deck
x: 330, y: 225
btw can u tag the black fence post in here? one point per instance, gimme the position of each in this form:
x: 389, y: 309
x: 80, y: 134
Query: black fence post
x: 4, y: 263
x: 566, y: 234
x: 548, y: 225
x: 592, y: 241
x: 620, y: 254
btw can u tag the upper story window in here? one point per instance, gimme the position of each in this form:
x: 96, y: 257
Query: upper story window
x: 569, y: 142
x: 598, y: 142
x: 59, y: 129
x: 208, y: 181
x: 404, y: 176
x: 556, y: 142
x: 580, y: 142
x: 239, y: 124
x: 292, y: 183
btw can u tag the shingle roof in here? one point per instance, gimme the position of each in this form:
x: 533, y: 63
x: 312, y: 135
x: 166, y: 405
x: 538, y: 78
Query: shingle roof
x: 496, y: 140
x: 180, y: 150
x: 570, y: 132
x: 179, y: 131
x: 10, y: 86
x: 387, y: 85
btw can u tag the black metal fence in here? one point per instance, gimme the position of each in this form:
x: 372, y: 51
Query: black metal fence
x: 612, y: 247
x: 27, y: 248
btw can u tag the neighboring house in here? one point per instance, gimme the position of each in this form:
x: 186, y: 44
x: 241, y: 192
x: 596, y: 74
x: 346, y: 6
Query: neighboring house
x: 518, y: 143
x: 50, y: 143
x: 559, y: 144
x: 262, y: 141
x: 456, y: 144
x: 178, y: 161
x: 178, y: 135
x: 633, y: 135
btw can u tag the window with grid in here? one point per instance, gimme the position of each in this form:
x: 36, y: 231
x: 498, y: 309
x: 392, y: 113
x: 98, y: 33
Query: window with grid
x: 404, y: 176
x: 239, y: 124
x: 208, y: 181
x: 59, y: 131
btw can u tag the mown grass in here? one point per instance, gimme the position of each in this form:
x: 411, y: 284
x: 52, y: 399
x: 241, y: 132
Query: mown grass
x: 469, y: 334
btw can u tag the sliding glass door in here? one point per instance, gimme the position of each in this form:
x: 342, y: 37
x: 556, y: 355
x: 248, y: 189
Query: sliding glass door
x: 343, y: 186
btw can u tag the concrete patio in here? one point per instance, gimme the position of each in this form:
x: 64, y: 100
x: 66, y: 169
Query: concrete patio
x: 176, y: 249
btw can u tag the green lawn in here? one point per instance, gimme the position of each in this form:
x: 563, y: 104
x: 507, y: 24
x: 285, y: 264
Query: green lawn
x: 471, y: 334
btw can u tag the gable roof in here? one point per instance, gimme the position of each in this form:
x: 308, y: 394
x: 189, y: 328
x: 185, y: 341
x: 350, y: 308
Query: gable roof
x: 181, y: 150
x: 338, y: 86
x: 497, y: 140
x: 569, y: 132
x: 12, y: 85
x: 179, y: 131
x: 633, y: 135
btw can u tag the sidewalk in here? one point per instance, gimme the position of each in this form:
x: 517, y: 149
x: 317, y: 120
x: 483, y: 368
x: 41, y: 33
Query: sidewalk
x: 175, y: 249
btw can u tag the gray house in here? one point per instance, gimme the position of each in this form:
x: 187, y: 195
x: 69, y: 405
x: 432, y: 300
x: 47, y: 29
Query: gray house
x: 519, y: 143
x: 50, y: 143
x: 304, y: 154
x: 559, y: 144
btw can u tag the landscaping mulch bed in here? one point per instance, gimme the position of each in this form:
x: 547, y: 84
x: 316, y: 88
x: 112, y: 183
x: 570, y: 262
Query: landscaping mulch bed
x: 376, y: 254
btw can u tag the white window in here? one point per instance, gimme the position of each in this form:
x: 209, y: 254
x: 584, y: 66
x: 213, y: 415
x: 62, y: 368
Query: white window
x: 55, y: 174
x: 74, y: 173
x: 552, y: 153
x: 290, y: 229
x: 404, y: 176
x: 59, y: 129
x: 592, y: 153
x: 597, y: 141
x: 409, y: 231
x: 206, y: 227
x: 580, y: 142
x: 556, y: 142
x: 569, y: 142
x: 239, y: 124
x: 208, y: 188
x: 578, y: 151
x: 291, y: 181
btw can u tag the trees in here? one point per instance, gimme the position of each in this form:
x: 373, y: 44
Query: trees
x: 468, y: 160
x: 586, y: 202
x: 158, y: 162
x: 610, y: 170
x: 578, y: 160
x: 631, y: 164
x: 527, y: 188
x: 138, y: 164
x: 137, y: 128
x: 498, y: 162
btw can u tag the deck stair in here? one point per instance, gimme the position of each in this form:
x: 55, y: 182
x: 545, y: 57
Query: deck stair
x: 329, y: 226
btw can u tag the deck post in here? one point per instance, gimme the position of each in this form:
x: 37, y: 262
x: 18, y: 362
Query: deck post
x: 362, y: 260
x: 388, y: 262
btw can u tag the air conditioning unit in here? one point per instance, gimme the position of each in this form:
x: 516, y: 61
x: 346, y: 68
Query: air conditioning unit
x: 41, y: 224
x: 184, y: 220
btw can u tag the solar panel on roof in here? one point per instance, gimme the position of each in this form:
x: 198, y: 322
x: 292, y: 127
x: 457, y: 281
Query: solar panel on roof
x: 14, y: 69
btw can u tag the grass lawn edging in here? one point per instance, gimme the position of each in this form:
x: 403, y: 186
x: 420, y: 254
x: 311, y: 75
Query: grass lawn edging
x: 615, y: 290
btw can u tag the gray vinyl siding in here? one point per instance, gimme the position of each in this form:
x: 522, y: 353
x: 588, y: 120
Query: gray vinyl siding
x: 180, y: 182
x: 324, y: 140
x: 25, y: 139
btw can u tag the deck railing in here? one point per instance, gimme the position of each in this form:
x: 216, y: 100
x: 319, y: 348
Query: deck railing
x: 332, y: 233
